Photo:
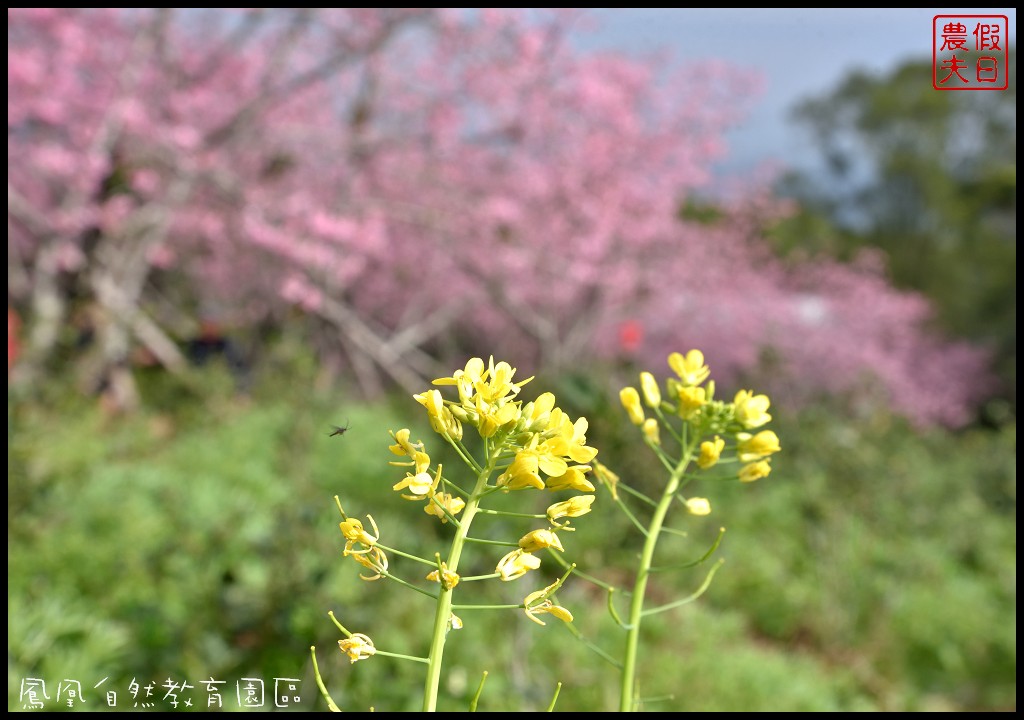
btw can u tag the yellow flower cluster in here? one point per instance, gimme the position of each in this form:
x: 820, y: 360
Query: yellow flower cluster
x: 691, y: 397
x: 527, y: 445
x: 361, y: 546
x: 685, y: 397
x: 419, y: 484
x: 520, y: 561
x: 751, y: 411
x: 485, y: 399
x: 548, y: 450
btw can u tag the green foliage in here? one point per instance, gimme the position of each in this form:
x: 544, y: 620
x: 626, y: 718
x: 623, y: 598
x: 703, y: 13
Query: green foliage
x: 177, y: 543
x: 873, y: 570
x: 888, y: 551
x: 876, y: 564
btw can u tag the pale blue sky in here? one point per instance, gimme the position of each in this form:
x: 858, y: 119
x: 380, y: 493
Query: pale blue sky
x: 801, y: 53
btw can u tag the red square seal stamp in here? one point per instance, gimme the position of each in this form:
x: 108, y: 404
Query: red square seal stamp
x: 970, y: 52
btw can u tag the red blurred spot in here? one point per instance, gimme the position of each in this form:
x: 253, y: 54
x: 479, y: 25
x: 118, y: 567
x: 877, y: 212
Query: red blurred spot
x: 631, y: 334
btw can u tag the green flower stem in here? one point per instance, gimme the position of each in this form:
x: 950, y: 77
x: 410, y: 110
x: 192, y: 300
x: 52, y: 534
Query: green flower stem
x: 612, y: 611
x: 455, y: 521
x: 417, y: 558
x: 698, y: 561
x: 347, y: 633
x: 490, y: 490
x: 449, y: 485
x: 444, y: 598
x: 503, y: 543
x: 344, y: 630
x: 331, y: 705
x: 409, y: 585
x: 551, y: 707
x: 464, y: 453
x: 589, y: 578
x: 666, y: 461
x: 637, y: 494
x: 506, y: 513
x: 632, y: 518
x: 689, y: 599
x: 657, y: 699
x: 670, y: 425
x: 520, y: 606
x: 627, y: 700
x: 574, y: 631
x: 479, y: 689
x: 414, y: 658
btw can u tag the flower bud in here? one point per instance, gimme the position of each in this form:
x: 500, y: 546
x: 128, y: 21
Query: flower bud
x: 652, y: 393
x: 652, y: 431
x: 698, y: 506
x: 631, y: 401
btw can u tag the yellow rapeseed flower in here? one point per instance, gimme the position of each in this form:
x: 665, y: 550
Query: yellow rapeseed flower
x: 420, y: 486
x: 446, y: 577
x: 575, y: 436
x: 452, y: 503
x: 572, y: 479
x: 710, y: 451
x: 690, y: 367
x: 751, y: 409
x: 432, y: 401
x: 537, y: 413
x: 537, y: 603
x: 465, y: 379
x: 402, y: 445
x: 492, y: 383
x: 549, y: 454
x: 573, y: 507
x: 540, y: 539
x: 755, y: 471
x: 521, y: 474
x: 357, y: 647
x: 442, y: 421
x: 691, y: 400
x: 420, y: 462
x: 354, y: 533
x: 372, y: 559
x: 754, y: 447
x: 516, y: 564
x: 499, y: 383
x: 493, y: 415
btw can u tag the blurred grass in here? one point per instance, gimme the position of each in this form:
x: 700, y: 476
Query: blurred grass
x: 875, y: 569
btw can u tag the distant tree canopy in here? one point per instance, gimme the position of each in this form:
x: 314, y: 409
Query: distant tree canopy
x: 928, y: 177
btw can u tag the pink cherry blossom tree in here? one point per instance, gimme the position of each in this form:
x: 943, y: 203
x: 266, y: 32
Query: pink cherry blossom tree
x: 426, y: 184
x: 142, y: 152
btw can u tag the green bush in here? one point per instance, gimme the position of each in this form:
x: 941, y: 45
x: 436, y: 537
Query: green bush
x: 875, y: 569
